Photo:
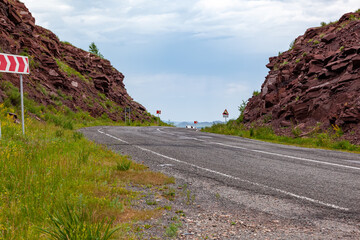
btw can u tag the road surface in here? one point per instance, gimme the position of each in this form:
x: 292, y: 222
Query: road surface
x: 272, y: 177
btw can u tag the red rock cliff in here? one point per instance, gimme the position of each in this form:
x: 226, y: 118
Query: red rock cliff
x: 317, y: 81
x: 62, y: 74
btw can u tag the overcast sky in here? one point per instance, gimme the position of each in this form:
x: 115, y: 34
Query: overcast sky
x: 189, y: 58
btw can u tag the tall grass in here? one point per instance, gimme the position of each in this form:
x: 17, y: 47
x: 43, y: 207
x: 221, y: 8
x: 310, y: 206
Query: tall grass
x: 328, y: 139
x: 52, y: 165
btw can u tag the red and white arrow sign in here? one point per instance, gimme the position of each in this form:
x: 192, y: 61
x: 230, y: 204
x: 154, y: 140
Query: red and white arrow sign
x: 14, y: 64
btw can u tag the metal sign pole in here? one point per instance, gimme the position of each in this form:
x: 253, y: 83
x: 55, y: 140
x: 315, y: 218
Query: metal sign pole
x: 22, y: 104
x: 125, y: 115
x: 159, y: 119
x: 0, y: 130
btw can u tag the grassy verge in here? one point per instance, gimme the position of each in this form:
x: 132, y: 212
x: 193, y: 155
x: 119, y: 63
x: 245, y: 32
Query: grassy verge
x: 55, y: 184
x: 326, y: 140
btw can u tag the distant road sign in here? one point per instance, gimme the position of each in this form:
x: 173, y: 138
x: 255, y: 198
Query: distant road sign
x: 14, y: 64
x: 158, y: 111
x: 128, y: 109
x: 226, y: 113
x: 195, y: 122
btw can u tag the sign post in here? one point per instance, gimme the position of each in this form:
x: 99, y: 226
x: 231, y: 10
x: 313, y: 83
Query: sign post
x: 158, y: 112
x: 127, y: 110
x: 20, y: 65
x: 225, y: 114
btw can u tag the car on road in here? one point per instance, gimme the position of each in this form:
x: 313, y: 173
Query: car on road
x: 190, y: 127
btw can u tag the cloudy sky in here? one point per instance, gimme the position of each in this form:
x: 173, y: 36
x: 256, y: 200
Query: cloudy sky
x: 189, y: 58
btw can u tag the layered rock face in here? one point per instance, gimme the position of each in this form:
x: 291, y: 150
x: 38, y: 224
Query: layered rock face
x: 62, y: 74
x: 317, y: 81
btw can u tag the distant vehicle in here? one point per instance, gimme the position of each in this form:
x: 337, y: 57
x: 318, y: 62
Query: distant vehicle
x: 190, y: 127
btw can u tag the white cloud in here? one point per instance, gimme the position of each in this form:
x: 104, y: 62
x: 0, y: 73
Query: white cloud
x: 201, y: 18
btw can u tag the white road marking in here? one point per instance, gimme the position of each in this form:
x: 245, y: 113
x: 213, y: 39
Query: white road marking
x: 235, y: 178
x: 277, y: 154
x: 99, y: 130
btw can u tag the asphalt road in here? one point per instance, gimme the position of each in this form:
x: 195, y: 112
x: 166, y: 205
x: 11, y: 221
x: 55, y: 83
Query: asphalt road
x: 318, y: 179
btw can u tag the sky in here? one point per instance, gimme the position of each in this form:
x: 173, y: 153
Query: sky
x: 191, y: 59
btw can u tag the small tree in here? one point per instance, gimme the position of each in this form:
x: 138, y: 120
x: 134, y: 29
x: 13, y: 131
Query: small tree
x: 94, y: 49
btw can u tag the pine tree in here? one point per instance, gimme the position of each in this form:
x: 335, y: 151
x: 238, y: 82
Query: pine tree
x: 94, y: 49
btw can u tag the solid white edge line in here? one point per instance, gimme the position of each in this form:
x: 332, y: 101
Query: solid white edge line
x: 235, y: 178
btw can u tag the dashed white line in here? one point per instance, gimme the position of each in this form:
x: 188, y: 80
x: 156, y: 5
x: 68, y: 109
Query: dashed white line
x: 235, y: 178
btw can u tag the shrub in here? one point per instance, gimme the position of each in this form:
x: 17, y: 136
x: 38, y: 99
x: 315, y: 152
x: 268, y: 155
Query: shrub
x: 255, y: 93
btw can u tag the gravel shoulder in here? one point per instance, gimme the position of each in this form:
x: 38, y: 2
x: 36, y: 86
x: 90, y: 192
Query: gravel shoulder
x: 205, y: 209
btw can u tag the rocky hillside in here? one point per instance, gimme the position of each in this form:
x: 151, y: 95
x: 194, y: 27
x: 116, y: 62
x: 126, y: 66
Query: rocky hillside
x: 315, y: 84
x: 62, y: 74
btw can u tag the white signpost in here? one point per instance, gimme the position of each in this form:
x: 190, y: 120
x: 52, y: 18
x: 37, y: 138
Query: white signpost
x: 225, y: 114
x: 20, y: 65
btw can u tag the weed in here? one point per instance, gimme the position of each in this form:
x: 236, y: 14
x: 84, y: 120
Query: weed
x: 322, y: 35
x: 77, y: 136
x: 180, y: 213
x: 297, y: 60
x: 190, y: 198
x: 66, y: 43
x: 316, y: 42
x: 170, y: 194
x: 171, y: 230
x: 296, y: 132
x: 267, y: 118
x: 151, y: 202
x: 353, y: 18
x: 304, y: 54
x: 123, y: 165
x: 323, y: 24
x: 284, y: 63
x: 73, y: 223
x: 217, y: 195
x: 310, y: 40
x: 84, y: 155
x: 166, y: 207
x: 147, y: 226
x: 341, y: 48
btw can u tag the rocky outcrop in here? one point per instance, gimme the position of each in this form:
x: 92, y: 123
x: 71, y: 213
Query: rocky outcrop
x: 62, y: 74
x: 316, y: 81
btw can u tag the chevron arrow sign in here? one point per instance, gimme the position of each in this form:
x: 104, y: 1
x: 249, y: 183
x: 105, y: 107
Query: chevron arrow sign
x: 14, y: 64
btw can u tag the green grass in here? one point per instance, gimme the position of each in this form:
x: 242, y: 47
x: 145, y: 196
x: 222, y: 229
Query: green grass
x: 329, y: 139
x: 54, y: 182
x: 70, y: 71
